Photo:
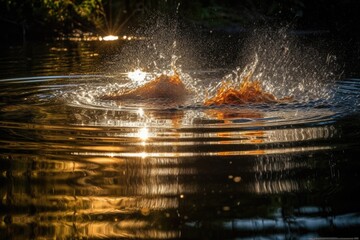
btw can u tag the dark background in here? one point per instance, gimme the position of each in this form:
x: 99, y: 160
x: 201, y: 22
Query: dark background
x: 27, y: 20
x: 212, y: 29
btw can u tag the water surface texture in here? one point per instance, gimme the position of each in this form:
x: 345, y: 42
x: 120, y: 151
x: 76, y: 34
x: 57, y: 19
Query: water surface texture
x: 74, y: 166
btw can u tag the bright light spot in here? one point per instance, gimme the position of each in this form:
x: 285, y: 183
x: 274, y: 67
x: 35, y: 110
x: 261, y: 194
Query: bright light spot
x: 141, y: 112
x: 127, y: 37
x: 110, y: 38
x: 145, y: 211
x: 226, y: 208
x: 137, y: 75
x: 143, y: 133
x: 237, y: 179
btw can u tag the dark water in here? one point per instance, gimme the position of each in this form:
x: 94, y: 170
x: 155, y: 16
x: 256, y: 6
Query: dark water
x: 75, y: 167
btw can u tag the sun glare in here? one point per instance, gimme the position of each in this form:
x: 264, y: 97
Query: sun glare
x: 141, y: 112
x: 143, y: 134
x: 110, y: 38
x: 137, y: 75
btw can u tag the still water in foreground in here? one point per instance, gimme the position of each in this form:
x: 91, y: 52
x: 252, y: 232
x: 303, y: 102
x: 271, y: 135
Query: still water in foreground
x: 73, y: 166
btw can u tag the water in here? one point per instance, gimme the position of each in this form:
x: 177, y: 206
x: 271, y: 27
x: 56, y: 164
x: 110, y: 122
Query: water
x: 74, y: 166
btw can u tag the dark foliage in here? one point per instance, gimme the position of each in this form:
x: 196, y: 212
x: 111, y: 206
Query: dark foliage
x: 38, y: 19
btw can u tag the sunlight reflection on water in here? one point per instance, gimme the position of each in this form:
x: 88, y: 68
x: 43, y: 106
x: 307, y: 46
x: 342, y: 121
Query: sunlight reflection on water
x: 77, y: 167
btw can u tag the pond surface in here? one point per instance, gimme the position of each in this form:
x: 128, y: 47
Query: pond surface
x: 77, y: 167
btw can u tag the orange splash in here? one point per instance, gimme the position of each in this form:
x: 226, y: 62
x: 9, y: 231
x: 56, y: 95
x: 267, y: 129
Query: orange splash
x: 163, y: 87
x: 172, y: 89
x: 247, y: 92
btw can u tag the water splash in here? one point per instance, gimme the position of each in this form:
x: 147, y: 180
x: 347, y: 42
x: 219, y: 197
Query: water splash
x: 233, y: 80
x: 287, y: 67
x: 284, y: 67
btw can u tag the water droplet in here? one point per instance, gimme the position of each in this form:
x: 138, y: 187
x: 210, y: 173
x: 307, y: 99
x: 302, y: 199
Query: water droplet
x: 226, y: 208
x: 237, y: 179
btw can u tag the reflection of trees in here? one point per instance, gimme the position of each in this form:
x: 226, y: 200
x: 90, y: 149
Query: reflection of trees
x: 76, y: 188
x: 90, y: 197
x: 109, y: 178
x: 59, y: 58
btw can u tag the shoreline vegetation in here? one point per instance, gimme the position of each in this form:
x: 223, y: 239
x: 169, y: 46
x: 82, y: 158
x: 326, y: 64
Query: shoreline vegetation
x: 39, y: 20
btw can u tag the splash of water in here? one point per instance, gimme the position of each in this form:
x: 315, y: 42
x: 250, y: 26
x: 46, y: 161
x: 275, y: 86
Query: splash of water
x: 234, y: 79
x: 284, y: 67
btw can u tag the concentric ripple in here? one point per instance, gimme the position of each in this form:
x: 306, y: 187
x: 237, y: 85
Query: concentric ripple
x: 76, y: 166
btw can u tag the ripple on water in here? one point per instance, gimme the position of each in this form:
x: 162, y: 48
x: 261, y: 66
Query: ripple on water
x: 65, y: 104
x: 76, y: 166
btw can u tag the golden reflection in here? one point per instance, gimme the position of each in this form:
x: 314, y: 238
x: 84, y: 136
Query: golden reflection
x: 253, y: 118
x: 244, y: 153
x: 109, y: 38
x: 130, y: 38
x: 127, y: 173
x: 150, y: 176
x: 230, y: 114
x: 143, y: 155
x: 227, y: 116
x: 90, y: 37
x: 56, y: 49
x: 103, y: 148
x: 141, y: 112
x: 119, y: 198
x: 124, y: 188
x: 137, y: 173
x: 232, y: 129
x: 143, y: 134
x: 105, y: 160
